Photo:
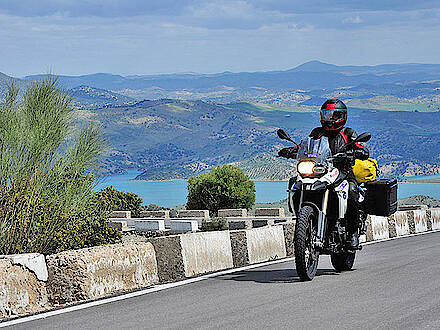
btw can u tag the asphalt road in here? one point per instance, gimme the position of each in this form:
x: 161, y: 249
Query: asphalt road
x: 396, y: 284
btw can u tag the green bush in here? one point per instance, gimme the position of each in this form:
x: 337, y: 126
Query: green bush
x: 89, y: 228
x: 116, y: 200
x: 153, y: 207
x: 223, y: 187
x: 46, y: 200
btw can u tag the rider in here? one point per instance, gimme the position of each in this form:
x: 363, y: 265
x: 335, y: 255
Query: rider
x: 333, y: 118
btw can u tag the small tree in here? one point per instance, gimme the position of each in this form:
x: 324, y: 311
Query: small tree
x: 223, y: 187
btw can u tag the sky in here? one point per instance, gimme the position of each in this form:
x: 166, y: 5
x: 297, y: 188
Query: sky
x: 128, y: 37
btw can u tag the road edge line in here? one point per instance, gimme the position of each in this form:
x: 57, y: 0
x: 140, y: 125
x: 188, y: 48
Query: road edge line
x: 142, y: 292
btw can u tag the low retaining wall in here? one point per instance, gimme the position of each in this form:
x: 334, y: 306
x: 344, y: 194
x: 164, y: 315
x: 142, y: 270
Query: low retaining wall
x: 96, y: 272
x: 100, y: 271
x: 92, y: 273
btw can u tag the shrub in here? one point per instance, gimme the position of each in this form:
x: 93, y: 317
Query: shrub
x: 116, y: 200
x: 153, y: 207
x: 89, y: 228
x: 45, y: 161
x: 223, y: 187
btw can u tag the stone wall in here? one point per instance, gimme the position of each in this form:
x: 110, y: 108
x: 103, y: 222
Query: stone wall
x: 86, y: 274
x: 20, y: 290
x: 96, y: 272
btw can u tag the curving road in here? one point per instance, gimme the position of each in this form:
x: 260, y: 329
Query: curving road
x: 396, y: 285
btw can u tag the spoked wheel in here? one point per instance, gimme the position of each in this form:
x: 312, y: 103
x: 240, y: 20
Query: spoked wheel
x: 306, y: 256
x: 343, y: 261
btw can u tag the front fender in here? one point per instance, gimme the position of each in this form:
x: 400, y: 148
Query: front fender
x: 313, y: 205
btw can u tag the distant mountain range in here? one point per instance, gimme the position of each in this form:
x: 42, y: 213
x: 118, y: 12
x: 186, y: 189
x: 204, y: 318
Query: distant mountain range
x: 311, y: 75
x: 178, y: 125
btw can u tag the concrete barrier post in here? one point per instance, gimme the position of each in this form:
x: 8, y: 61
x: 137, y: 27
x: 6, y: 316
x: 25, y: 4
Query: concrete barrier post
x: 121, y: 225
x: 206, y: 252
x: 392, y: 226
x: 232, y: 213
x: 235, y: 224
x: 434, y: 215
x: 265, y: 243
x: 169, y: 258
x: 120, y: 214
x: 411, y: 223
x: 240, y: 256
x: 420, y: 221
x: 289, y: 233
x: 193, y: 214
x: 369, y: 233
x: 149, y: 224
x: 184, y: 226
x: 155, y: 214
x: 256, y: 223
x: 377, y: 228
x: 269, y: 212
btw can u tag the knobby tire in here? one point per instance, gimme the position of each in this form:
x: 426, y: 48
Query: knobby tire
x: 303, y: 240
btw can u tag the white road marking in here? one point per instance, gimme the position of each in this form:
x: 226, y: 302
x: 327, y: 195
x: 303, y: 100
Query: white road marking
x: 161, y: 287
x: 155, y: 288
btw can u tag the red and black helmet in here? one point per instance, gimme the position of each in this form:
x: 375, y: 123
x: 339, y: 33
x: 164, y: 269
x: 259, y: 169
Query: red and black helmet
x: 333, y: 114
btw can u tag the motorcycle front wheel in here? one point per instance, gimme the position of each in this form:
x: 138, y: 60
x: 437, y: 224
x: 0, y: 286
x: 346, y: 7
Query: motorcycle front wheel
x: 306, y: 256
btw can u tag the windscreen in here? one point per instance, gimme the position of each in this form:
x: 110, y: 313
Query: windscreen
x: 317, y: 150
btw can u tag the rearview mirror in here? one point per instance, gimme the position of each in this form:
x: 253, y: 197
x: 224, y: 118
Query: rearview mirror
x: 283, y: 135
x: 364, y: 137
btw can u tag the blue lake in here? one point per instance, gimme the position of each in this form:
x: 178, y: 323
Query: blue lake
x: 174, y: 192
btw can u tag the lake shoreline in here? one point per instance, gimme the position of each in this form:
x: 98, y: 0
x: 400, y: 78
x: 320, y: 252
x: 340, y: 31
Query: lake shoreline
x: 169, y: 180
x: 173, y: 192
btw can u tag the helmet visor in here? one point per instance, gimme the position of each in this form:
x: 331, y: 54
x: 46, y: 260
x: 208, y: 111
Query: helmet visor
x: 332, y: 114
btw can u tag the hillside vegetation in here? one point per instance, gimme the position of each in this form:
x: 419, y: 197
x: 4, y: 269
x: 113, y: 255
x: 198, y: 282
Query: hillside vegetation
x: 177, y: 139
x: 195, y: 121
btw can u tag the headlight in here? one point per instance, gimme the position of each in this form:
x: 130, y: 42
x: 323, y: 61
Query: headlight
x: 306, y: 167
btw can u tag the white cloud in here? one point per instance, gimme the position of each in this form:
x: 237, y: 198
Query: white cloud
x: 352, y: 20
x: 213, y: 36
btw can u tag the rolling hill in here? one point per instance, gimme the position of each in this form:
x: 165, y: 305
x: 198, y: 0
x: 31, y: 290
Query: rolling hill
x: 90, y: 97
x: 311, y: 75
x: 176, y: 139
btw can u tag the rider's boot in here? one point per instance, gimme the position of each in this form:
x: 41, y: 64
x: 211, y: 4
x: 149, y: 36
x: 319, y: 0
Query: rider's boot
x: 353, y: 241
x: 352, y: 215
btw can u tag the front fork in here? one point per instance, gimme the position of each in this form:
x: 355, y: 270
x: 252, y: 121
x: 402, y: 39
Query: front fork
x: 322, y: 221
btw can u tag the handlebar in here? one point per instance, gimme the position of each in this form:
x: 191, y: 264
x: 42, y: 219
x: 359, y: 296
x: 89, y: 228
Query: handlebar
x: 347, y: 154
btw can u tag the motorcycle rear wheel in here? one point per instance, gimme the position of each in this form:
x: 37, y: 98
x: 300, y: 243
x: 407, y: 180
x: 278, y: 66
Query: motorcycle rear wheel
x: 343, y: 261
x: 306, y: 256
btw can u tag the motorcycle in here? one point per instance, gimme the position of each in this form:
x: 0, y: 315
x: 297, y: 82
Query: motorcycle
x: 318, y: 195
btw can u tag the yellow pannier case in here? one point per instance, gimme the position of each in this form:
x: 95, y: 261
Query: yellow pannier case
x: 365, y: 170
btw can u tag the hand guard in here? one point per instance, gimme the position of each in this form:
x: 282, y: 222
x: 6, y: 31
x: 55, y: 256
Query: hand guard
x: 290, y: 152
